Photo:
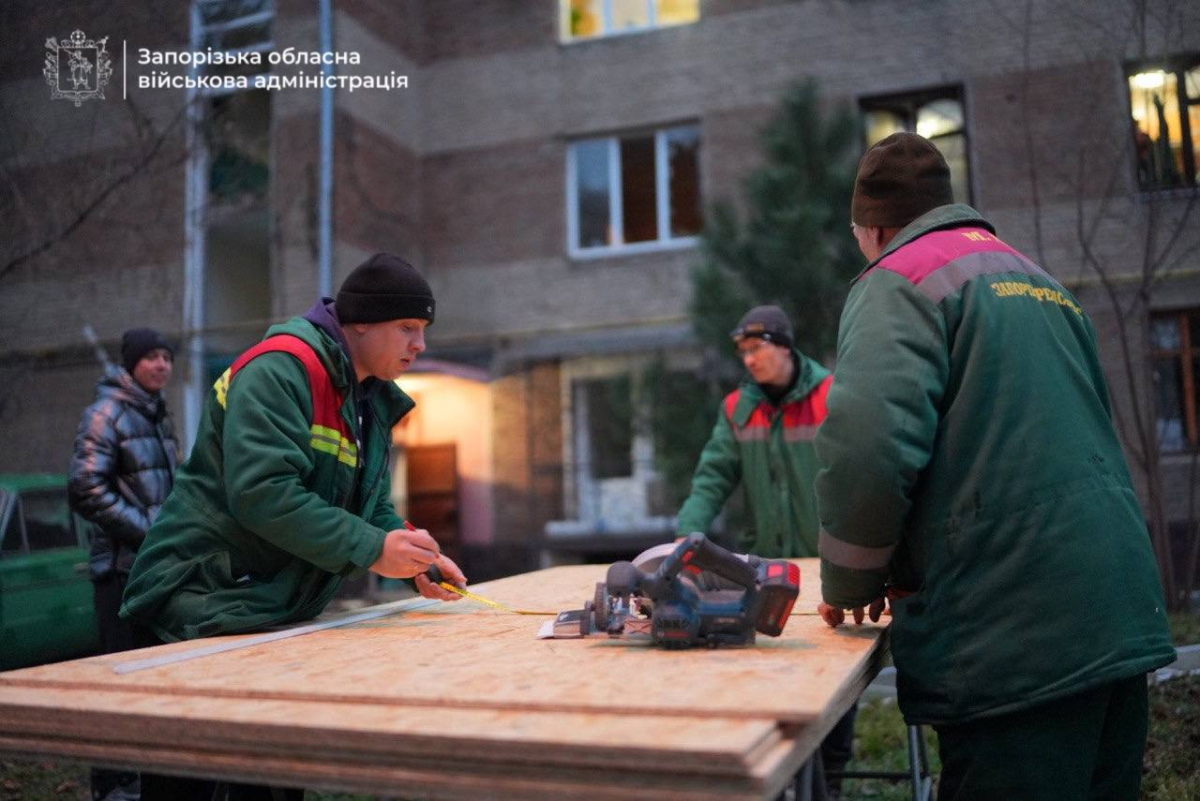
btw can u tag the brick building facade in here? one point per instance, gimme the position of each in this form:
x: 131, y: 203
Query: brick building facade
x: 545, y: 167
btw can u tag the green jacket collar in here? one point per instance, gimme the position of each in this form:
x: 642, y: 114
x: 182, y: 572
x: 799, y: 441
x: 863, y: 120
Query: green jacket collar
x: 812, y: 374
x: 955, y: 215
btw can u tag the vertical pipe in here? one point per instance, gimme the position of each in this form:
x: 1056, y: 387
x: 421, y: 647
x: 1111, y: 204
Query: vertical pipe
x: 325, y: 210
x: 194, y: 250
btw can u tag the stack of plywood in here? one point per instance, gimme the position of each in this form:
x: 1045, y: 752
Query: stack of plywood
x: 456, y: 700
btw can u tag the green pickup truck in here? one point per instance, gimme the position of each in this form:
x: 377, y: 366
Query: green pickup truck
x: 46, y: 608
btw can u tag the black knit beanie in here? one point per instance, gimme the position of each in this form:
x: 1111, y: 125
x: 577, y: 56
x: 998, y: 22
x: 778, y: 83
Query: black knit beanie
x: 137, y: 342
x: 384, y: 287
x: 765, y: 322
x: 900, y: 178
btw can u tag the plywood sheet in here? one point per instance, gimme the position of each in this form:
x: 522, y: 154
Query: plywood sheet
x: 457, y: 700
x: 467, y: 656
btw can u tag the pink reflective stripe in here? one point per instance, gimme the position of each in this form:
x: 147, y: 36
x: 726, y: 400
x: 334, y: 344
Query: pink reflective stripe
x: 929, y: 253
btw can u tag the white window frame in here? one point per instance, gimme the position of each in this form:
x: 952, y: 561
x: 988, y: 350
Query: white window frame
x: 606, y: 16
x: 616, y: 211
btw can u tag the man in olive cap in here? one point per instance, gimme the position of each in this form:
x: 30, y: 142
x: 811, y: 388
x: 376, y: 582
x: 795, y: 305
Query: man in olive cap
x: 970, y: 472
x: 287, y: 489
x: 763, y: 440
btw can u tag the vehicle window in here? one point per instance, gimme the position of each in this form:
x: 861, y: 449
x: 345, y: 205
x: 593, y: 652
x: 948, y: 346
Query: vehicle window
x: 47, y: 519
x: 10, y: 535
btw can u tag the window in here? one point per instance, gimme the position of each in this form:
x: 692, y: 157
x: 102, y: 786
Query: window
x: 11, y: 539
x: 234, y: 26
x: 604, y: 408
x: 1164, y: 101
x: 589, y: 19
x: 630, y: 191
x: 47, y: 520
x: 1175, y: 344
x: 936, y: 114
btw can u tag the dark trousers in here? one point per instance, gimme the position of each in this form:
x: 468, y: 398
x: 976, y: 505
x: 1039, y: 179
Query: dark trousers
x: 178, y: 788
x: 116, y: 635
x: 812, y: 782
x: 838, y: 745
x: 1086, y: 746
x: 156, y: 787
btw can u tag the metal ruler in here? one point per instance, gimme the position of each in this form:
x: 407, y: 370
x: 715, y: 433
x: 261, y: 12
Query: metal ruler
x: 373, y: 613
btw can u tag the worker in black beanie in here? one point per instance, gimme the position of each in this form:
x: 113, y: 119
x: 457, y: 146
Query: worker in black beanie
x: 288, y: 481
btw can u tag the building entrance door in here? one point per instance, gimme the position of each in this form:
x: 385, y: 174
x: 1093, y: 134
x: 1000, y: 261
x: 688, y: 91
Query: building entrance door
x: 432, y: 474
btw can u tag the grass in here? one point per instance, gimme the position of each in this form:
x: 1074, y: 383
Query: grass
x: 881, y: 743
x: 1185, y: 627
x: 34, y: 781
x: 1172, y: 759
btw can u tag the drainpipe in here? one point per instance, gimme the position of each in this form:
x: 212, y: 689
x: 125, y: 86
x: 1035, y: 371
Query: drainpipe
x: 194, y: 252
x: 325, y: 208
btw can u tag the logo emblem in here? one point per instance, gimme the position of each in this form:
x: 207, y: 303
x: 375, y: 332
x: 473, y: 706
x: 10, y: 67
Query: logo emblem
x: 77, y: 68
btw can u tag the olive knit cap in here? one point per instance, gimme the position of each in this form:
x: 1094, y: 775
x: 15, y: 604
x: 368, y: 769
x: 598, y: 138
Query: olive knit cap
x: 384, y: 287
x: 899, y: 178
x: 765, y: 322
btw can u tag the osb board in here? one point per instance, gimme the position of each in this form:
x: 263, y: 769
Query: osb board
x: 461, y: 655
x: 316, y: 731
x: 433, y: 780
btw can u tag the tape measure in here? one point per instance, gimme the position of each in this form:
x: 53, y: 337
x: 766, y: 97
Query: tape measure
x: 489, y: 602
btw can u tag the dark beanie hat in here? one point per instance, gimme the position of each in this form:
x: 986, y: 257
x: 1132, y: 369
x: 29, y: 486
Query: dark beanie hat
x: 899, y: 179
x: 765, y: 322
x: 384, y: 287
x: 137, y: 342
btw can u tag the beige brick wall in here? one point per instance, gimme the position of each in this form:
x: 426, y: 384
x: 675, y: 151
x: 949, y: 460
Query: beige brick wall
x: 528, y: 453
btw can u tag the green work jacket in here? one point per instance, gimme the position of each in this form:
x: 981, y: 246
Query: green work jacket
x: 768, y: 449
x: 969, y: 458
x: 284, y: 493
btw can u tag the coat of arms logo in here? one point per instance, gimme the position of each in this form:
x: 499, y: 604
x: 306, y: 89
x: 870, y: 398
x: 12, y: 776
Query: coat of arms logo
x: 77, y: 68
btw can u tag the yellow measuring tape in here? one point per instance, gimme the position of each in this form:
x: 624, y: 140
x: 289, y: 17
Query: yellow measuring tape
x: 489, y: 602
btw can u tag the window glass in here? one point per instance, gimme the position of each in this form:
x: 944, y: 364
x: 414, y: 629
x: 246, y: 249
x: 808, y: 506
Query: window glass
x: 882, y: 124
x: 10, y: 537
x: 954, y: 150
x: 1153, y: 102
x: 683, y: 158
x: 47, y: 519
x: 585, y: 18
x: 677, y: 12
x: 638, y: 196
x: 1168, y: 401
x: 609, y: 425
x: 236, y: 25
x: 939, y: 118
x: 1194, y: 122
x: 592, y: 180
x: 1165, y: 333
x: 630, y: 14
